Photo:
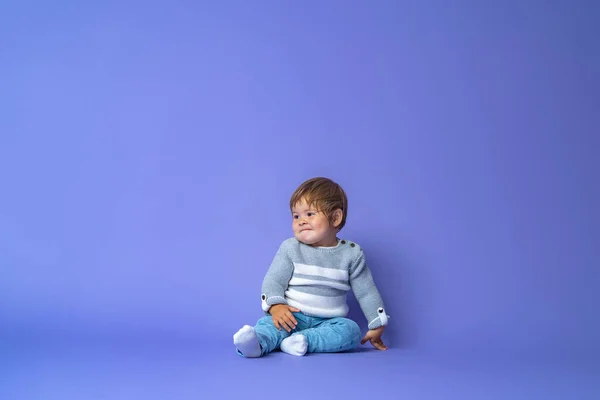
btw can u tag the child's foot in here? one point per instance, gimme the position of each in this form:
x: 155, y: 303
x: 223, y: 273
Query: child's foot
x: 246, y: 342
x: 295, y: 345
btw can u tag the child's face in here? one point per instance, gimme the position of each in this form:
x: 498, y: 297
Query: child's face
x: 311, y: 226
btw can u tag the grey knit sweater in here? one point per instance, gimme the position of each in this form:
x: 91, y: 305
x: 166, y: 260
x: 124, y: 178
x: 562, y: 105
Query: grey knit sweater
x: 316, y: 280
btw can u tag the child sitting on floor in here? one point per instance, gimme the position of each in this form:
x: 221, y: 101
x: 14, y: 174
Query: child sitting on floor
x: 304, y: 290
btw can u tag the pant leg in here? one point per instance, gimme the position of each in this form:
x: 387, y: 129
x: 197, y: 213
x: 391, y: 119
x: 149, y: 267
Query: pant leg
x: 333, y: 335
x: 270, y: 337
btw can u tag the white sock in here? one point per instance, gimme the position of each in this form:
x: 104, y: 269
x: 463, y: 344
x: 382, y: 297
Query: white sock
x: 295, y: 345
x: 246, y: 342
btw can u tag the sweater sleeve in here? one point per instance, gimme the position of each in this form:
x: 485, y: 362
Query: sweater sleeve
x: 276, y: 280
x: 366, y: 293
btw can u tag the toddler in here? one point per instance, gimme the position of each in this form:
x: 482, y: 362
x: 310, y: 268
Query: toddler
x: 304, y: 290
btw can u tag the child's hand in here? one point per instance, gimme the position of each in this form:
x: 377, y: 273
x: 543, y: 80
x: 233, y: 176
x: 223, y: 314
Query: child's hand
x: 283, y: 317
x: 374, y: 336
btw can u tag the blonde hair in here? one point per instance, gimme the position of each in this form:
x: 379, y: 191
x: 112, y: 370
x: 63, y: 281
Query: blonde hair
x: 324, y: 194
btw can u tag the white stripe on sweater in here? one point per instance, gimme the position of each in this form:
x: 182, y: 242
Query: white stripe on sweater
x: 315, y: 300
x: 306, y: 269
x: 312, y: 282
x: 321, y: 306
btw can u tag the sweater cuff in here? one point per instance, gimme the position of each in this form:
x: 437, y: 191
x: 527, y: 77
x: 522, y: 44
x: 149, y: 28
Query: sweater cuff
x: 267, y: 302
x: 382, y: 319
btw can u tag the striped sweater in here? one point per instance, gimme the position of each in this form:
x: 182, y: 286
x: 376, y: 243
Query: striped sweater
x: 316, y: 280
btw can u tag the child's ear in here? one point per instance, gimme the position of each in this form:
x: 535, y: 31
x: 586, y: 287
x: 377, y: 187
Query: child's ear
x: 337, y: 217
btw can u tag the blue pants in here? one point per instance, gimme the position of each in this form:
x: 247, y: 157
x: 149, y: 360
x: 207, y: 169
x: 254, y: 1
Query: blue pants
x: 324, y: 335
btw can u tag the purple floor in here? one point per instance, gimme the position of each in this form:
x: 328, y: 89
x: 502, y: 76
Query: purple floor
x: 166, y: 371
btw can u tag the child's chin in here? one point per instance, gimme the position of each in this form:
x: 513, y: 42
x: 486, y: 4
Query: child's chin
x: 305, y: 240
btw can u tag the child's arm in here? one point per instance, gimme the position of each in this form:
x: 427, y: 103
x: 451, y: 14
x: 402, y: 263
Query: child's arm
x: 366, y: 293
x: 370, y: 301
x: 276, y: 280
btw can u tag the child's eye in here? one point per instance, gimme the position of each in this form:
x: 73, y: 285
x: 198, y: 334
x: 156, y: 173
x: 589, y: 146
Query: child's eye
x: 295, y: 217
x: 310, y: 214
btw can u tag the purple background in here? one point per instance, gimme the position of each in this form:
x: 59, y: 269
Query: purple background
x: 148, y: 152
